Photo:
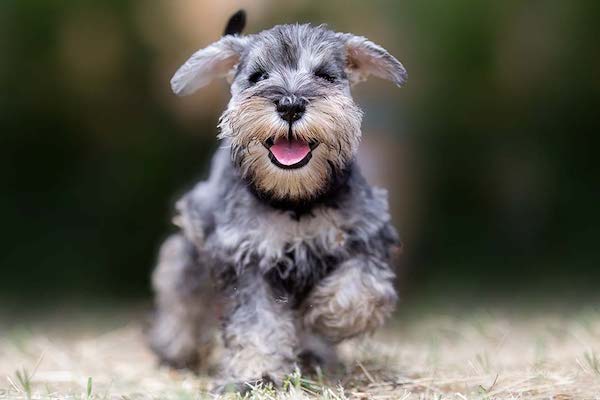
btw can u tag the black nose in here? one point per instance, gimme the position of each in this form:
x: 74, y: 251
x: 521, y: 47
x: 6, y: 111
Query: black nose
x: 291, y: 108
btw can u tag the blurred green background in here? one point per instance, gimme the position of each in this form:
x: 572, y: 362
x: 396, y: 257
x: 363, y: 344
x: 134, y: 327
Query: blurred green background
x: 488, y: 152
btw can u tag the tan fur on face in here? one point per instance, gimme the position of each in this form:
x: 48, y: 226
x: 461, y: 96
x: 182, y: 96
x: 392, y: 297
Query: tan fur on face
x: 333, y: 122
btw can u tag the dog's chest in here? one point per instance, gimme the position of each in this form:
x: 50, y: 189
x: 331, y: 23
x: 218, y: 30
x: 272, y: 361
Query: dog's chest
x: 273, y: 237
x: 293, y: 253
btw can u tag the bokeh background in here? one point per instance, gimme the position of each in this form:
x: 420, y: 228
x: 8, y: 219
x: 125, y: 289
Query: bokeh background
x: 489, y: 152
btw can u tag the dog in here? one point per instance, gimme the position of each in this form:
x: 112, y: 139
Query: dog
x: 285, y: 249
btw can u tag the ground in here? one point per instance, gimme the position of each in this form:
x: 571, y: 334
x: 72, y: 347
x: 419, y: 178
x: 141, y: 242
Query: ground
x: 463, y: 355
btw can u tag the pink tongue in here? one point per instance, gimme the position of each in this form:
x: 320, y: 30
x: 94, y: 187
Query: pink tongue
x: 289, y: 152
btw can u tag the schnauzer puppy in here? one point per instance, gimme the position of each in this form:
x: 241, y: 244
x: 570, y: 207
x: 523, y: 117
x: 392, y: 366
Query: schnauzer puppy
x: 285, y: 249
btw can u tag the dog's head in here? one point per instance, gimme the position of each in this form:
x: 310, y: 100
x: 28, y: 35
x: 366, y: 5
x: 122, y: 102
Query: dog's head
x: 291, y: 122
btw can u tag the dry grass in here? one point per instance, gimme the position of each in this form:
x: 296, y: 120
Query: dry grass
x: 476, y: 356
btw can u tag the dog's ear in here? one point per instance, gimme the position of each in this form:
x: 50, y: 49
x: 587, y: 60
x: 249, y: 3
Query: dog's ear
x: 364, y: 58
x: 214, y: 61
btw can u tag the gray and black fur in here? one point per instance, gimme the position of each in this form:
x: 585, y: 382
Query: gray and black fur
x: 281, y: 261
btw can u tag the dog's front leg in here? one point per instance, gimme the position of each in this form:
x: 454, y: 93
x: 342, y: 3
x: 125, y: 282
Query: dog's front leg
x: 259, y: 334
x: 355, y: 299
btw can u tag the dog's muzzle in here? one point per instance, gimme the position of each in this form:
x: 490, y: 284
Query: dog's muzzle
x: 290, y: 152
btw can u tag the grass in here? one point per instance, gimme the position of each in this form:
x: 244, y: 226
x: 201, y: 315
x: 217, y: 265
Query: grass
x: 477, y: 355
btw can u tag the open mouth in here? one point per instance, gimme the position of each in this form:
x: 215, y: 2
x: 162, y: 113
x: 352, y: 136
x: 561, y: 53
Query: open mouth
x: 289, y: 153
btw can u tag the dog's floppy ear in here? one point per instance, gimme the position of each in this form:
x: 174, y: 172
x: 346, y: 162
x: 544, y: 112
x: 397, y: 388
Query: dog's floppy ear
x: 214, y: 61
x: 364, y: 58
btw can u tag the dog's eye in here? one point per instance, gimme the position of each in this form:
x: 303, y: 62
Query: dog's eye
x: 258, y: 76
x: 322, y: 74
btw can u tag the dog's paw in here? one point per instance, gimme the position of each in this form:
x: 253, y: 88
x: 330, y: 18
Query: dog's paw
x: 175, y: 359
x: 244, y: 387
x: 350, y: 303
x: 186, y: 363
x: 313, y: 363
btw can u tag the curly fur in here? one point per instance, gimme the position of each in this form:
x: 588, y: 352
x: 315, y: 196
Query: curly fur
x: 353, y: 300
x: 283, y: 263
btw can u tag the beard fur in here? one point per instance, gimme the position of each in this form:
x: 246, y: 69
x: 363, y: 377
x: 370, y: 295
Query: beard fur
x: 333, y: 122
